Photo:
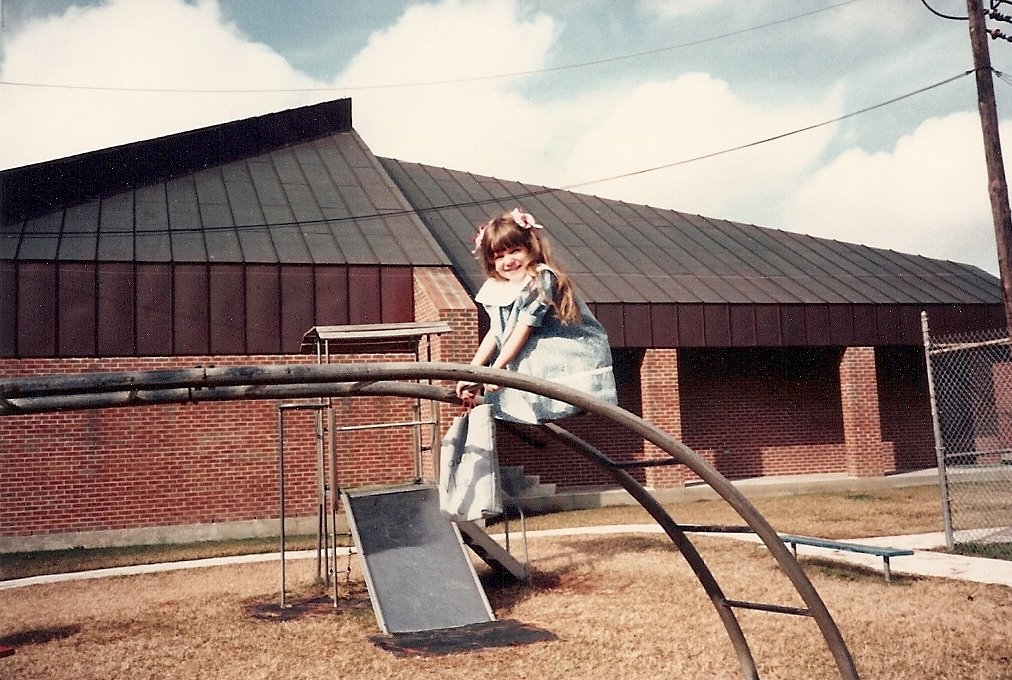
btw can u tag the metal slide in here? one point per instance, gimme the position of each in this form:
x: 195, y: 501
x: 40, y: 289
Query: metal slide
x: 419, y: 574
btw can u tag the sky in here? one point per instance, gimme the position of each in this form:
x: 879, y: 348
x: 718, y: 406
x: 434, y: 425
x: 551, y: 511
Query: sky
x: 846, y: 119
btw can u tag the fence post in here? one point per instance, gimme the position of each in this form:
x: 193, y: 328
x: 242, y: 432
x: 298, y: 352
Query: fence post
x: 943, y: 478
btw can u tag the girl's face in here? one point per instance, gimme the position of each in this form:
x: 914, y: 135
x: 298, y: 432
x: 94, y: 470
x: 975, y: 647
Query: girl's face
x: 511, y: 264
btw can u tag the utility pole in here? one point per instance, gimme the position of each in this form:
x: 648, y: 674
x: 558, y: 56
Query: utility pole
x: 997, y: 187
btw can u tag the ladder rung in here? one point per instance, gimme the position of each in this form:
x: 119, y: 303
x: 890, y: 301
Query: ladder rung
x: 653, y: 462
x: 715, y: 529
x: 776, y: 608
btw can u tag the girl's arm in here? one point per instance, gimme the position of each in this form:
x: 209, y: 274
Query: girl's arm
x: 481, y: 357
x: 511, y: 348
x: 514, y: 343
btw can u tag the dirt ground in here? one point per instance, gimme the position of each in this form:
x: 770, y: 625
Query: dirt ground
x: 612, y: 606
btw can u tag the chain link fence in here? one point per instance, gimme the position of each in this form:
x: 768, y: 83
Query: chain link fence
x: 970, y: 380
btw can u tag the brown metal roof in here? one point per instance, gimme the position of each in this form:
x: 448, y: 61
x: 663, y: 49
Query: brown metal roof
x: 297, y: 187
x: 233, y: 239
x: 236, y: 238
x: 663, y: 278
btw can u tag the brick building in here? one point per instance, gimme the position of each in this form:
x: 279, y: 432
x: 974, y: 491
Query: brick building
x: 765, y: 351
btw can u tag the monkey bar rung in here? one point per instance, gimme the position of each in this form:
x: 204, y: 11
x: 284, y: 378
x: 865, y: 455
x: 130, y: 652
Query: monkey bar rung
x: 775, y: 608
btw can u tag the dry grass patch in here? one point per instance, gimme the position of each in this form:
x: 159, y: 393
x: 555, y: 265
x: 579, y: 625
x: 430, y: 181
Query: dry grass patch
x: 836, y: 515
x: 620, y: 606
x: 828, y: 515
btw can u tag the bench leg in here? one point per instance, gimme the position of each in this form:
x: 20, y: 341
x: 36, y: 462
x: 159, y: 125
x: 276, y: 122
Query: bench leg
x: 885, y: 568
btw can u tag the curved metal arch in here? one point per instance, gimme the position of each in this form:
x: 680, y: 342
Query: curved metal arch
x: 132, y: 388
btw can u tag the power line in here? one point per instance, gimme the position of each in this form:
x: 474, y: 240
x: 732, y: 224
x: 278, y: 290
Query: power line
x: 939, y: 14
x: 430, y: 83
x: 779, y: 136
x: 515, y: 196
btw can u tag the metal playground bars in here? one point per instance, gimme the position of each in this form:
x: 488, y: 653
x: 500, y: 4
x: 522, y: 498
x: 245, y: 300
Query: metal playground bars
x: 115, y: 389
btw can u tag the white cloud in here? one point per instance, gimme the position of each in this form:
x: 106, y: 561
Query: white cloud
x: 670, y: 9
x: 131, y: 44
x: 861, y: 20
x: 927, y: 196
x: 696, y: 115
x: 489, y: 125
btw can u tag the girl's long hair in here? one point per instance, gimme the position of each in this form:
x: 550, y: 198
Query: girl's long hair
x: 502, y: 233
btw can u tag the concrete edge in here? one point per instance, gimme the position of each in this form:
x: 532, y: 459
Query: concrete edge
x: 563, y: 500
x: 161, y: 535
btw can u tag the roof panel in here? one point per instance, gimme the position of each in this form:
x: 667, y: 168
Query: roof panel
x: 10, y: 239
x: 152, y: 224
x: 286, y: 236
x: 302, y: 202
x: 266, y: 183
x: 358, y: 202
x: 322, y: 247
x: 335, y: 163
x: 353, y: 150
x: 210, y: 186
x: 243, y: 200
x: 185, y: 230
x: 384, y: 244
x: 41, y: 238
x: 351, y: 242
x: 630, y: 288
x: 220, y: 234
x: 288, y: 166
x: 80, y: 232
x: 115, y: 226
x: 686, y: 257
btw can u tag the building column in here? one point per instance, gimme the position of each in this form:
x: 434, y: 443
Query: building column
x: 661, y: 405
x: 439, y: 296
x: 862, y: 426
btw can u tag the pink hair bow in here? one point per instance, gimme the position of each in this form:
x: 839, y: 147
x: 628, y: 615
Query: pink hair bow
x: 525, y: 220
x: 478, y: 237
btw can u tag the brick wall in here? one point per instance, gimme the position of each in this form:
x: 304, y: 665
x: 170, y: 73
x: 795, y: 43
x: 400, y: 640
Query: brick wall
x: 557, y: 464
x: 662, y: 406
x: 125, y: 468
x: 858, y: 410
x: 905, y: 407
x: 440, y: 297
x: 751, y: 412
x: 754, y: 412
x: 866, y: 453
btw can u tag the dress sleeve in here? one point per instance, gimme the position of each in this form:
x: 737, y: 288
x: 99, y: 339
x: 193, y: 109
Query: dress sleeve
x: 535, y: 301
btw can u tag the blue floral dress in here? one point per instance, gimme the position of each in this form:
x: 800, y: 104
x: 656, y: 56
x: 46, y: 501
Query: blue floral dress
x: 575, y: 355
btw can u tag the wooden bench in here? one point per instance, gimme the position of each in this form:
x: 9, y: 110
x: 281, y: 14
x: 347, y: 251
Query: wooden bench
x: 884, y: 553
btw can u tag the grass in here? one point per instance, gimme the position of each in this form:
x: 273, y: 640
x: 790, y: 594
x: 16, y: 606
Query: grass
x: 619, y: 606
x: 994, y: 551
x: 625, y: 606
x: 34, y: 563
x: 838, y: 515
x: 832, y: 515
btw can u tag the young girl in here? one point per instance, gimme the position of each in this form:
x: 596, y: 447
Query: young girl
x: 538, y: 325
